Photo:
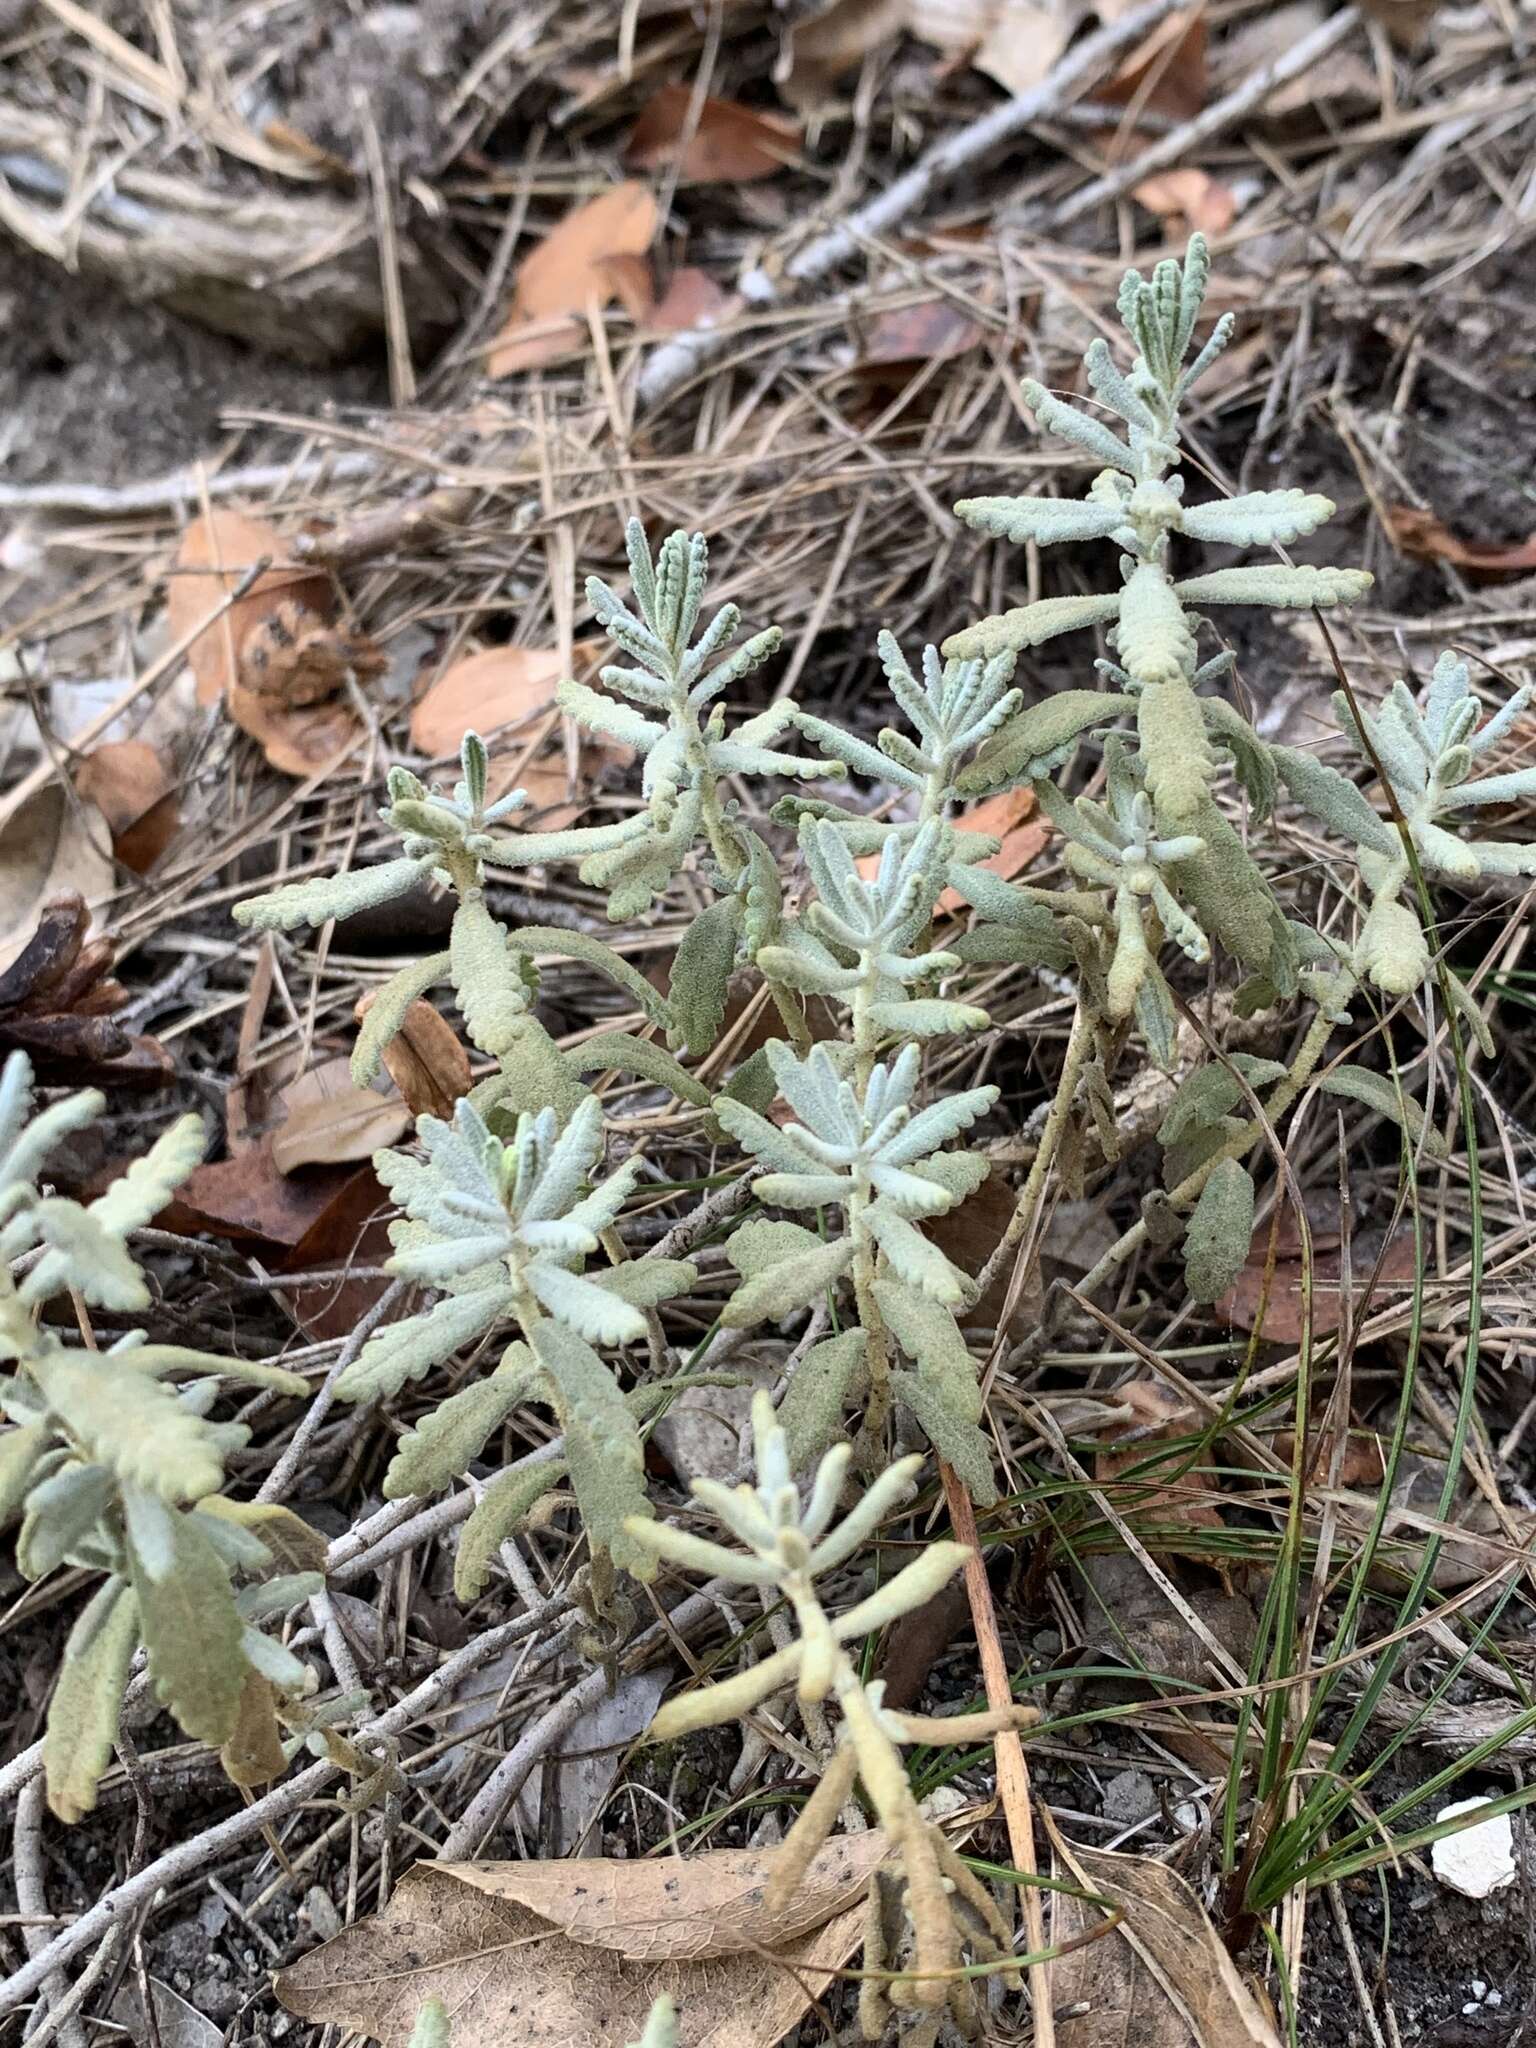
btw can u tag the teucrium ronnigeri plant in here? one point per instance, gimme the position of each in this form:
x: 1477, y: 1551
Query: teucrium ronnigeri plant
x: 1136, y: 503
x: 115, y: 1470
x: 939, y: 1908
x: 506, y: 1229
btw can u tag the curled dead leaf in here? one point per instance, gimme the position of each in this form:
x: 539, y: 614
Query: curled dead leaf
x: 576, y: 1950
x: 296, y: 657
x: 1426, y: 537
x: 726, y: 144
x: 216, y: 555
x: 131, y: 784
x: 424, y: 1059
x: 56, y: 1003
x: 305, y: 741
x: 55, y: 844
x: 570, y: 271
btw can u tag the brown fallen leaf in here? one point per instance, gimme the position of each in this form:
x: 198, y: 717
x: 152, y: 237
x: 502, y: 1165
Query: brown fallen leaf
x: 424, y: 1059
x: 56, y: 1003
x: 968, y: 1235
x: 929, y: 331
x: 576, y: 1950
x: 131, y: 784
x: 301, y: 741
x: 216, y: 554
x: 693, y: 299
x: 246, y: 1200
x: 1161, y: 1978
x: 1426, y: 537
x: 1167, y: 73
x: 729, y: 144
x: 1283, y: 1321
x: 1189, y: 195
x: 568, y: 272
x: 1129, y: 1476
x: 1012, y: 818
x: 350, y: 1227
x: 483, y: 692
x: 329, y: 1121
x: 55, y: 844
x: 822, y: 48
x: 296, y: 656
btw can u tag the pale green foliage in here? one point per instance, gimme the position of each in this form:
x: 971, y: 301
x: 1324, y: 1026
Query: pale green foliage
x: 506, y: 1229
x: 789, y: 1545
x: 432, y: 2029
x: 865, y: 1150
x: 672, y: 718
x: 1216, y: 1242
x: 111, y: 1467
x: 861, y: 942
x: 1137, y: 505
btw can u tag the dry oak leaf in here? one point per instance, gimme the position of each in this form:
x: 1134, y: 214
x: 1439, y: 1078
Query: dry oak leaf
x: 131, y: 785
x: 424, y: 1059
x: 216, y: 554
x: 729, y: 144
x: 1427, y: 538
x: 1160, y: 1978
x: 483, y: 692
x: 570, y: 270
x: 575, y: 1951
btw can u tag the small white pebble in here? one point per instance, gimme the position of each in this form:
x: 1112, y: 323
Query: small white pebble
x: 1494, y: 1998
x: 1479, y: 1859
x: 1187, y: 1816
x: 1478, y: 1988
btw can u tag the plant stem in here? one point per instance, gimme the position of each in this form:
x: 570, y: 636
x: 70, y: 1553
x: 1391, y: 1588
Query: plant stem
x: 1012, y: 1768
x: 876, y: 1345
x: 1026, y: 1209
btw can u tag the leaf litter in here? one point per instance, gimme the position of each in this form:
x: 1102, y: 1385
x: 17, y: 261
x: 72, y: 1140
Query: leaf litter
x: 578, y: 1949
